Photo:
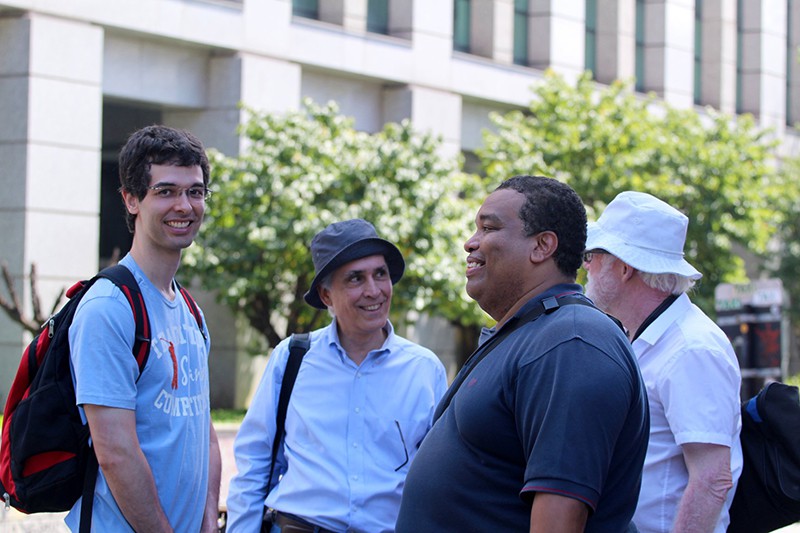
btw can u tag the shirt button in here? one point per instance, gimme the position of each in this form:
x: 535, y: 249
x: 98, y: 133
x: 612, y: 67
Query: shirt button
x: 355, y: 478
x: 355, y: 445
x: 358, y: 409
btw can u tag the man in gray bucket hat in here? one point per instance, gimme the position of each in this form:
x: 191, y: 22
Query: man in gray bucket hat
x: 638, y: 273
x: 363, y: 400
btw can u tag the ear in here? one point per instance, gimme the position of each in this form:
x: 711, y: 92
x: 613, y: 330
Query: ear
x: 131, y: 202
x: 545, y: 245
x: 324, y: 295
x: 627, y: 271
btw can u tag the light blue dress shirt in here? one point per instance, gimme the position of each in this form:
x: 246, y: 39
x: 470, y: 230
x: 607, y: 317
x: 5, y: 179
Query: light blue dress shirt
x: 351, y: 433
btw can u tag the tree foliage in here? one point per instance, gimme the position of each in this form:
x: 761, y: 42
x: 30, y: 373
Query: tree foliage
x: 306, y: 169
x: 718, y: 171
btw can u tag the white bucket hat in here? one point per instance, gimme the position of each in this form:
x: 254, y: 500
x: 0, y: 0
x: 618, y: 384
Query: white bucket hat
x: 644, y: 232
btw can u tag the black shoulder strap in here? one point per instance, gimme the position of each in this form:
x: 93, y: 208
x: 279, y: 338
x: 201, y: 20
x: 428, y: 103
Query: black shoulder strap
x: 298, y: 346
x: 122, y: 278
x: 547, y: 306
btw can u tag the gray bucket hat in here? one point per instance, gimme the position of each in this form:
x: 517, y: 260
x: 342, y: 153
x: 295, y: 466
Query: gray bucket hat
x: 342, y: 242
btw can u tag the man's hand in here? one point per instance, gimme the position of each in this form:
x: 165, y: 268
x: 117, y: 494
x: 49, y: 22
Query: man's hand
x: 125, y: 467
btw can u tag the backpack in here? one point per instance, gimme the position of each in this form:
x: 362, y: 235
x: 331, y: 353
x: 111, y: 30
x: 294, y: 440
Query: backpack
x: 46, y: 462
x: 768, y: 494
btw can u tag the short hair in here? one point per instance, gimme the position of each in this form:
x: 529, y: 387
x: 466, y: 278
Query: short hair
x: 553, y: 206
x: 156, y: 145
x: 667, y: 282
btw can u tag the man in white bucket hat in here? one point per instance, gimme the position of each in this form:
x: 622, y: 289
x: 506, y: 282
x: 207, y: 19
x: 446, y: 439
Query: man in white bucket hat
x: 637, y: 272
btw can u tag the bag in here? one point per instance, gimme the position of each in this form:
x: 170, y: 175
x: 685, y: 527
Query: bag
x: 768, y: 494
x: 46, y: 462
x: 298, y: 346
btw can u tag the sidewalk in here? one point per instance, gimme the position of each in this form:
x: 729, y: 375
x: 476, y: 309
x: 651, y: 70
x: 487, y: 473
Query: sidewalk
x: 12, y: 521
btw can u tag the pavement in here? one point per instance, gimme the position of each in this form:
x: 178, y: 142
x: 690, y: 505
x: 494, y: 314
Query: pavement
x: 12, y: 521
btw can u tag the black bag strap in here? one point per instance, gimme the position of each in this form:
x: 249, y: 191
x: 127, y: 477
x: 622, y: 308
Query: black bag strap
x: 123, y: 278
x: 547, y: 306
x: 298, y: 346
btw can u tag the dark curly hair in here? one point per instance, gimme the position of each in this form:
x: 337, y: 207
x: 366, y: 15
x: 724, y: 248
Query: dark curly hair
x: 157, y: 145
x: 553, y: 206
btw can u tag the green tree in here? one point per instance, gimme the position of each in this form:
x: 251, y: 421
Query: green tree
x: 719, y: 171
x: 306, y: 169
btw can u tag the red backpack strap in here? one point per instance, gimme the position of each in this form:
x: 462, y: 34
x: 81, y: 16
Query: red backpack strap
x: 123, y: 278
x: 193, y: 308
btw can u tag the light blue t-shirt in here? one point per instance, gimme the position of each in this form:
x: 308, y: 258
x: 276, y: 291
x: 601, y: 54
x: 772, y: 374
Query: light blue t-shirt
x: 171, y: 397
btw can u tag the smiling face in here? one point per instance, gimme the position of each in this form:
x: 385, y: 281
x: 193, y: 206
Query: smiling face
x: 360, y: 295
x: 167, y: 223
x: 499, y: 254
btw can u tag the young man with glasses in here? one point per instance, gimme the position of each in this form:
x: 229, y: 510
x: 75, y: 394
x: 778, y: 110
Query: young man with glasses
x: 637, y: 273
x: 152, y: 433
x: 363, y: 400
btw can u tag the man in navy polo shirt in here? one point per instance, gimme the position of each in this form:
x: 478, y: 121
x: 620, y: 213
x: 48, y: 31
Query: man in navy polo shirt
x: 548, y: 432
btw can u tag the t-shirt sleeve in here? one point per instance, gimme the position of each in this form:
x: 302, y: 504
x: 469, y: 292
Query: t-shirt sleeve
x: 699, y: 390
x: 101, y: 343
x: 571, y: 405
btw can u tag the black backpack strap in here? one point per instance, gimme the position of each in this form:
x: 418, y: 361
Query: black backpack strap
x: 547, y: 306
x: 122, y: 278
x: 298, y: 346
x: 193, y: 308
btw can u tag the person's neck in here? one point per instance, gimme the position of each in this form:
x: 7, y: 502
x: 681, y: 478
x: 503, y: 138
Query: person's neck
x: 358, y: 346
x: 538, y: 288
x: 637, y: 307
x: 160, y: 269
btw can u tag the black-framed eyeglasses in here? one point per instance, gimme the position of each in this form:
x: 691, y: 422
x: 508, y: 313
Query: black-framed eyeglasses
x: 405, y: 448
x: 195, y: 193
x: 589, y: 254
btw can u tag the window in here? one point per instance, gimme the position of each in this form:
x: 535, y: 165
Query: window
x: 590, y: 51
x: 305, y: 8
x: 521, y: 32
x: 698, y: 51
x: 378, y: 16
x: 461, y: 23
x: 639, y: 66
x: 739, y: 45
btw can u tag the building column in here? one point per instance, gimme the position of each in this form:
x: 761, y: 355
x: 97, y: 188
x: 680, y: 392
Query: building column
x: 259, y: 82
x: 492, y: 29
x: 669, y: 50
x: 350, y: 14
x: 763, y: 62
x: 616, y: 40
x: 793, y: 66
x: 50, y: 131
x: 718, y: 57
x: 430, y: 110
x: 557, y: 33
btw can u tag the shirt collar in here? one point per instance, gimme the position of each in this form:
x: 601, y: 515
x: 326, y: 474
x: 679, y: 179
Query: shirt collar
x: 332, y: 340
x: 660, y: 325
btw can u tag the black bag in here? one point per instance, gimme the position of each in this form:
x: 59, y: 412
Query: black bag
x: 768, y: 494
x: 298, y: 346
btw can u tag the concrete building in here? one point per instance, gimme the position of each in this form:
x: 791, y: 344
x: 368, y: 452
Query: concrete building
x: 77, y: 76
